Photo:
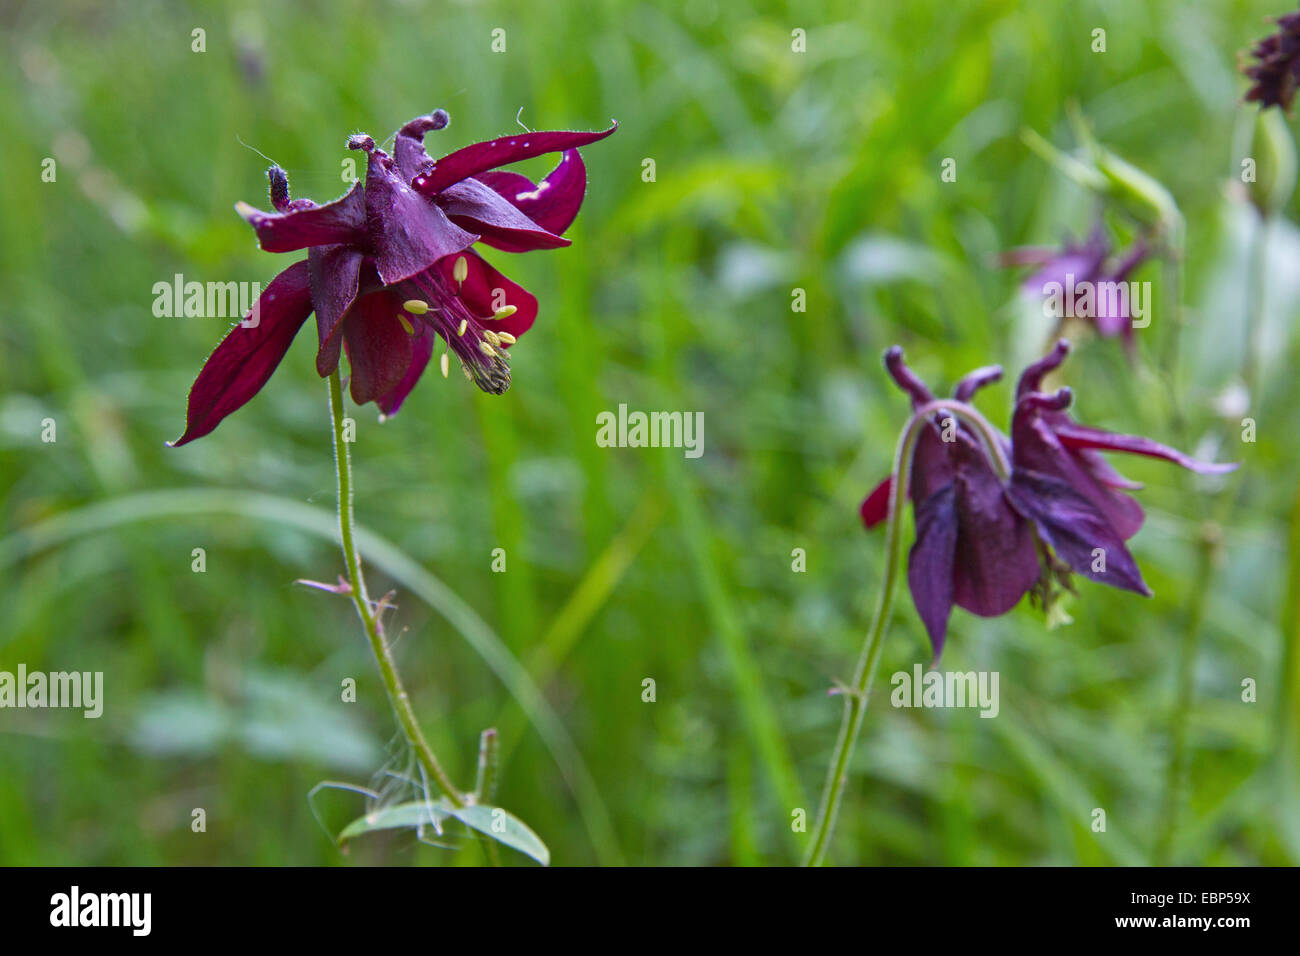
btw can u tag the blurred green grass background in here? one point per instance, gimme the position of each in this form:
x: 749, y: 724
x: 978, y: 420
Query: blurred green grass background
x: 775, y: 170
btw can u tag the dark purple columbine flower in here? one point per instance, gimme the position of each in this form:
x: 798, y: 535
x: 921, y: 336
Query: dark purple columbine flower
x: 972, y: 547
x: 1275, y: 73
x: 1092, y: 264
x: 984, y: 540
x: 390, y: 268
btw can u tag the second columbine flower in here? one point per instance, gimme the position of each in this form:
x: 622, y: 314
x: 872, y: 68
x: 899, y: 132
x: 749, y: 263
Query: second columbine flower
x: 998, y: 517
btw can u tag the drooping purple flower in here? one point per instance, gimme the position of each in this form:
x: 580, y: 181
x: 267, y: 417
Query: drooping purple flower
x: 1062, y: 275
x: 1275, y: 73
x: 984, y: 539
x: 1060, y: 480
x: 972, y: 549
x: 390, y: 268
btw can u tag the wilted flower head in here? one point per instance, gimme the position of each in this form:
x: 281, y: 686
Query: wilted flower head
x: 1276, y: 70
x: 995, y: 523
x: 1084, y: 281
x: 390, y: 268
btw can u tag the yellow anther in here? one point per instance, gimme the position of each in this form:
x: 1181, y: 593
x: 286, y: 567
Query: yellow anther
x: 505, y: 313
x: 416, y: 306
x: 486, y: 350
x: 445, y: 361
x: 492, y: 337
x: 410, y: 330
x: 460, y: 271
x: 506, y: 338
x: 464, y: 324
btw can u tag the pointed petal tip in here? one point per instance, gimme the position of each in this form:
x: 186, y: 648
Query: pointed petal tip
x: 1073, y: 435
x: 875, y: 506
x: 1215, y: 467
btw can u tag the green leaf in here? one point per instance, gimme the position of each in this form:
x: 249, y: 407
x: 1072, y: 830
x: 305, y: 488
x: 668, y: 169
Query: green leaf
x: 391, y: 818
x: 492, y: 822
x: 514, y: 833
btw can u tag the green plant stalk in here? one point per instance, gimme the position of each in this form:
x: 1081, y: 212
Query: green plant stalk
x: 1187, y: 653
x: 1288, y: 699
x: 1256, y: 280
x: 1189, y: 646
x: 858, y: 694
x: 485, y: 783
x: 387, y: 669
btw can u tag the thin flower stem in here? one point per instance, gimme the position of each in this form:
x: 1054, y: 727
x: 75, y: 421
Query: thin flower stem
x: 1174, y: 277
x: 1176, y: 770
x: 374, y: 632
x: 856, y: 697
x: 485, y: 783
x: 1256, y: 282
x: 1189, y: 646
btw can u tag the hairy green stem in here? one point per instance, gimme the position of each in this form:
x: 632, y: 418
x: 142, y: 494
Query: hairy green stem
x: 369, y: 620
x: 857, y: 695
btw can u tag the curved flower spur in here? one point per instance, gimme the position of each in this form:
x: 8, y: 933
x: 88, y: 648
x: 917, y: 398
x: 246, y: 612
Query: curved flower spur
x: 997, y: 518
x: 390, y: 269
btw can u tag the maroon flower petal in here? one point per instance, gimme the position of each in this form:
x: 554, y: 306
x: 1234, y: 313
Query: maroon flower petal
x: 931, y: 464
x: 408, y: 147
x: 1031, y: 379
x: 995, y: 561
x: 379, y: 347
x: 335, y: 274
x: 408, y: 232
x: 907, y: 379
x: 554, y: 202
x: 340, y: 221
x: 239, y: 367
x: 974, y: 381
x: 1078, y: 533
x: 1080, y: 436
x: 875, y: 507
x: 1036, y: 447
x: 1103, y: 471
x: 930, y: 563
x: 1061, y: 271
x: 481, y: 157
x: 485, y: 291
x: 421, y: 350
x: 474, y: 206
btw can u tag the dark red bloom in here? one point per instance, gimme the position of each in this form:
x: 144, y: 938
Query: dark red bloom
x: 1276, y: 71
x: 390, y: 268
x: 984, y: 539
